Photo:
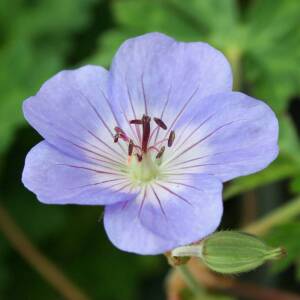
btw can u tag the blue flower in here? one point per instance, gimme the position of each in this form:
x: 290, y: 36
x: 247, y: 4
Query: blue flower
x: 152, y: 139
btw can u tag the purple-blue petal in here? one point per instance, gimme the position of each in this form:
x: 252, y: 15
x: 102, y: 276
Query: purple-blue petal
x: 169, y: 213
x: 126, y: 232
x: 228, y: 135
x: 57, y: 178
x: 72, y: 112
x: 156, y: 75
x: 184, y: 208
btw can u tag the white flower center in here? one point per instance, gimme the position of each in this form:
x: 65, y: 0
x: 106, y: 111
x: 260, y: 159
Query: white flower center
x: 144, y: 171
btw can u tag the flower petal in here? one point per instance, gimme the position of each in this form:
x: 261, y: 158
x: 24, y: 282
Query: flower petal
x: 72, y: 112
x: 166, y: 215
x: 183, y: 208
x: 229, y: 135
x: 57, y: 178
x: 126, y: 232
x: 159, y: 76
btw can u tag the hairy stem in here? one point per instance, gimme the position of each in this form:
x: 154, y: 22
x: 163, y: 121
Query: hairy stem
x: 33, y: 256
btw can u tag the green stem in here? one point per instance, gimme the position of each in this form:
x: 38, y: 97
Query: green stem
x: 190, y: 280
x: 280, y: 215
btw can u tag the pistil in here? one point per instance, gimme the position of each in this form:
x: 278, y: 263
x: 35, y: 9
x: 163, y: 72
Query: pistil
x: 146, y: 132
x: 143, y: 171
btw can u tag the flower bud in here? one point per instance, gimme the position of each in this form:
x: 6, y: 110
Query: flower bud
x: 231, y: 252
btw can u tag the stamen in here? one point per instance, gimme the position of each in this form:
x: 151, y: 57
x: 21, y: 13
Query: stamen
x: 136, y: 121
x: 130, y: 147
x: 154, y: 148
x: 121, y: 134
x: 116, y: 138
x: 171, y: 138
x: 160, y: 123
x: 146, y: 119
x: 145, y: 145
x: 161, y: 152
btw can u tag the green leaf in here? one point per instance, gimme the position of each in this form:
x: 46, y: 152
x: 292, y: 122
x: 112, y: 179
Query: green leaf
x: 273, y: 52
x: 295, y: 185
x: 200, y: 20
x: 33, y: 47
x: 213, y: 15
x: 266, y: 42
x: 110, y: 42
x: 144, y: 16
x: 288, y: 139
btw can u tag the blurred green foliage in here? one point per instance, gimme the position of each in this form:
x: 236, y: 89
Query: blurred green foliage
x: 265, y: 37
x: 287, y: 235
x: 37, y: 38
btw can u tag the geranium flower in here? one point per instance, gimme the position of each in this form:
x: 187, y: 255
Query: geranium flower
x: 152, y: 140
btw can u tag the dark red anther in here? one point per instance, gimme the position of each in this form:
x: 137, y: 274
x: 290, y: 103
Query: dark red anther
x: 123, y: 137
x: 116, y: 138
x: 121, y: 134
x: 119, y: 130
x: 130, y: 147
x: 136, y: 121
x: 139, y: 157
x: 160, y: 123
x: 171, y: 138
x: 161, y: 152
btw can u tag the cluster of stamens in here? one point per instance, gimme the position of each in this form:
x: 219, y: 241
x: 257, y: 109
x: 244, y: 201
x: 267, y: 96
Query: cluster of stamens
x: 143, y: 147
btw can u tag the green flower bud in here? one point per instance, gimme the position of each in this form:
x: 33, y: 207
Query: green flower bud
x: 231, y: 252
